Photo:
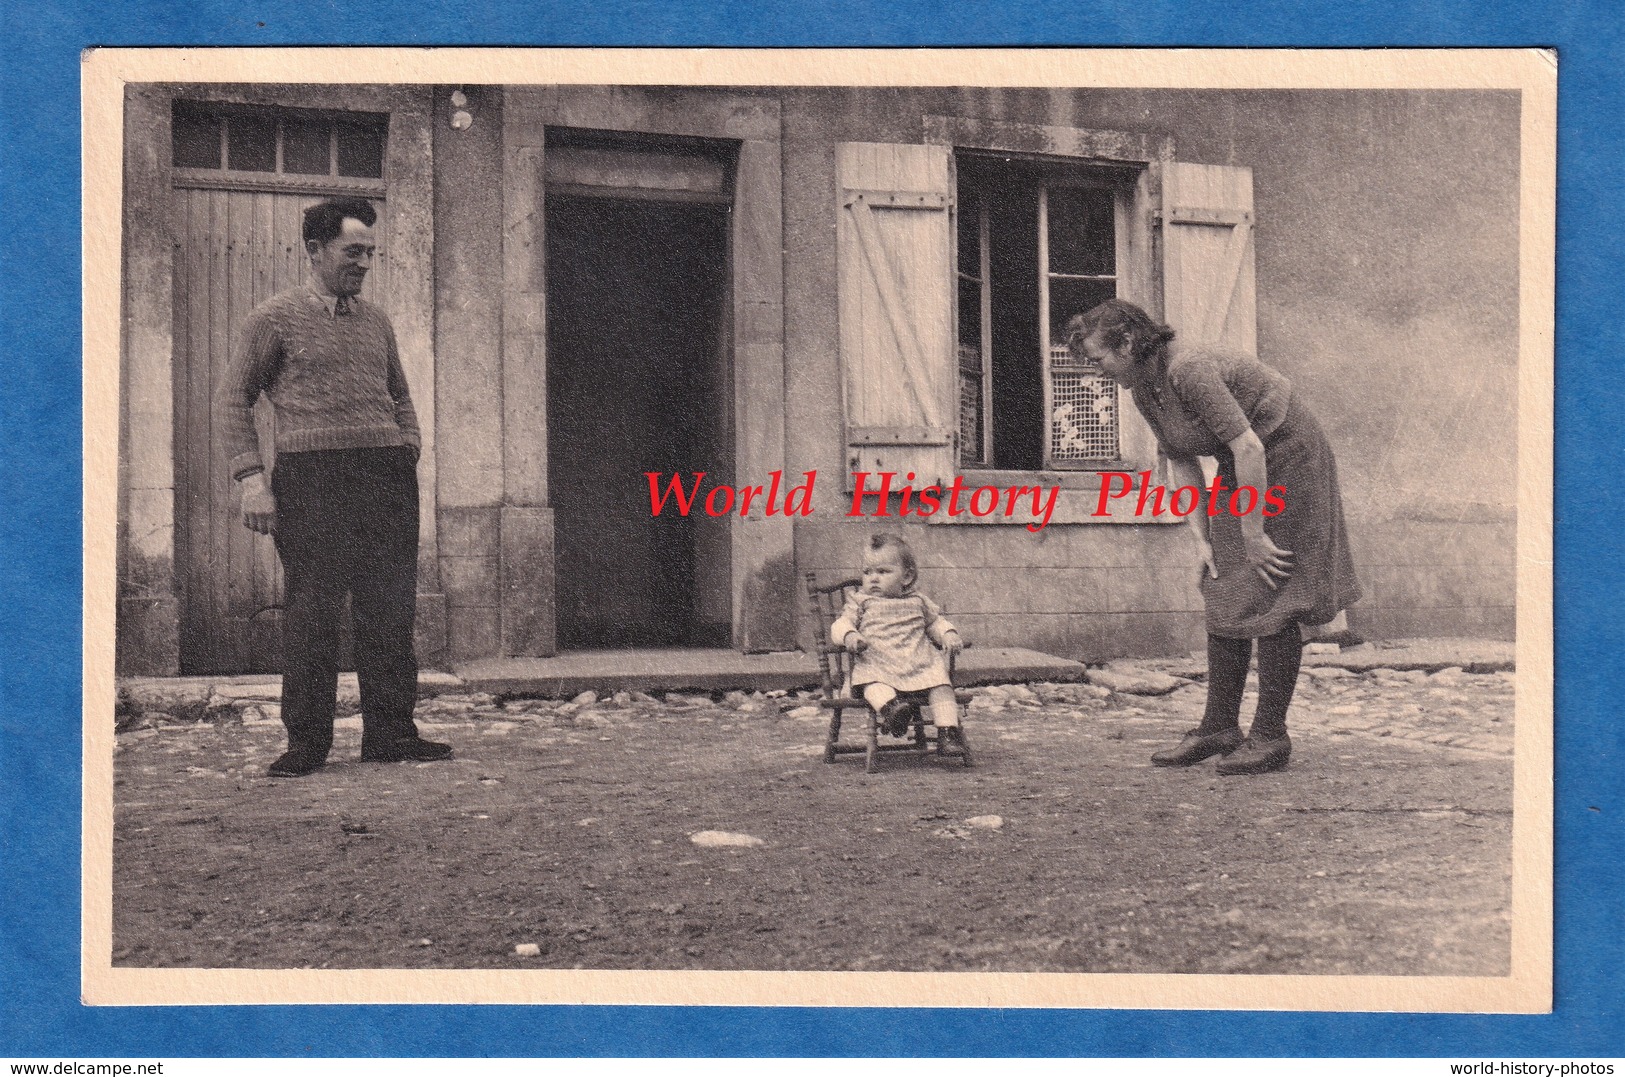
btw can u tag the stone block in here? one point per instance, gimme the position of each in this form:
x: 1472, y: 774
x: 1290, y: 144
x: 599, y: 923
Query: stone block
x: 768, y: 590
x: 184, y: 698
x: 1142, y: 635
x: 1430, y: 586
x: 977, y: 590
x: 1487, y: 622
x: 469, y: 532
x: 1150, y: 590
x: 1126, y: 678
x: 527, y: 595
x: 429, y: 630
x: 1070, y: 590
x: 470, y: 581
x: 147, y: 641
x: 1431, y: 542
x: 474, y: 632
x: 1128, y: 546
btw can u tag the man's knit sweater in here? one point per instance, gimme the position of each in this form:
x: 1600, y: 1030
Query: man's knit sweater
x: 335, y: 380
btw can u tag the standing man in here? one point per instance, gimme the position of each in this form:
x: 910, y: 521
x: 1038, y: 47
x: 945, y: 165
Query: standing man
x: 342, y: 499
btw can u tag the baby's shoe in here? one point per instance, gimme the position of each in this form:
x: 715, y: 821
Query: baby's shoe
x: 894, y: 718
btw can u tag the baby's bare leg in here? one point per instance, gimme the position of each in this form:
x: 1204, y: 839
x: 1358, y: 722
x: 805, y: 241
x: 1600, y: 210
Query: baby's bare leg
x: 944, y: 707
x: 877, y: 695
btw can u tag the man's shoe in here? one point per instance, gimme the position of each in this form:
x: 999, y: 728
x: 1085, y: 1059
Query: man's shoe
x: 950, y: 737
x: 406, y: 750
x: 295, y: 764
x: 1197, y: 746
x: 1257, y: 755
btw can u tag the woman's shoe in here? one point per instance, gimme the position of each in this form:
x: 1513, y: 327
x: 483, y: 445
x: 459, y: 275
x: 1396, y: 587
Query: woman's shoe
x: 1257, y: 755
x: 1197, y: 746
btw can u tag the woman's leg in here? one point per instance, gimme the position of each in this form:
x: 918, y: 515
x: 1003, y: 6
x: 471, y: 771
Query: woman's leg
x: 1227, y: 661
x: 1279, y: 657
x: 1267, y: 746
x: 1220, y: 731
x: 944, y: 706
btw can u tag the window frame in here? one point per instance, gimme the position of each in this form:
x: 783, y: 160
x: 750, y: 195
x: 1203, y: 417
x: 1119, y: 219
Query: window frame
x: 1046, y: 343
x: 983, y: 280
x: 1139, y: 258
x: 225, y: 178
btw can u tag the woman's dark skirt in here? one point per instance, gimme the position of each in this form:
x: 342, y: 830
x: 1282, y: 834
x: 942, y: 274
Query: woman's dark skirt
x: 1239, y: 604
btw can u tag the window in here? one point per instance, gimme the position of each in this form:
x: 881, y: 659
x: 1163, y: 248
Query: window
x: 300, y: 145
x: 1037, y: 243
x: 959, y: 262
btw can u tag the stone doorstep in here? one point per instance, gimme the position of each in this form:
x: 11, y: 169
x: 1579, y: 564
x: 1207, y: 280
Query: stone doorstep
x: 717, y: 669
x: 566, y: 676
x: 193, y: 698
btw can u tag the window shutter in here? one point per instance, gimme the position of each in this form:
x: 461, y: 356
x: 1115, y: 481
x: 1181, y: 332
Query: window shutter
x: 895, y: 286
x: 1207, y: 224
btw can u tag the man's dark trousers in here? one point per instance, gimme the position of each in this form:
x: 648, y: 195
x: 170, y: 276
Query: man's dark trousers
x: 347, y: 521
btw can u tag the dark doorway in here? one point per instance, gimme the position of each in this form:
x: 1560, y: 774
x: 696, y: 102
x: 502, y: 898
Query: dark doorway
x: 639, y: 380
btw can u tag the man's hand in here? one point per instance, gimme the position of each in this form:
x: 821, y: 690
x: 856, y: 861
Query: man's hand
x: 259, y: 506
x: 854, y: 642
x: 952, y: 644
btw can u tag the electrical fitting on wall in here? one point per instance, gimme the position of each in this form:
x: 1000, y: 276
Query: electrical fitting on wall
x: 462, y: 119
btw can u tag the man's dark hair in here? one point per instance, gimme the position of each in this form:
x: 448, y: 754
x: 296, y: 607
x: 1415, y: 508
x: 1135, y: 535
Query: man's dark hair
x: 325, y: 220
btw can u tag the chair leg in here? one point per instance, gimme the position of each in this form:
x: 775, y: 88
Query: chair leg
x: 873, y: 755
x: 964, y: 744
x: 834, y: 735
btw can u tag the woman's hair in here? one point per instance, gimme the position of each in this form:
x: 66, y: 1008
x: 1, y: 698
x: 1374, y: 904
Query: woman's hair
x: 880, y: 540
x: 1117, y: 322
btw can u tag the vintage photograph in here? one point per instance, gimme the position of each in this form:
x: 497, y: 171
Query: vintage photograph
x: 807, y: 534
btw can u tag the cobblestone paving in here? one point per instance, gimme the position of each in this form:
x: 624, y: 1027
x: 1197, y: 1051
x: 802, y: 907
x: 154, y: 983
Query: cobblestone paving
x: 574, y: 828
x: 1449, y: 708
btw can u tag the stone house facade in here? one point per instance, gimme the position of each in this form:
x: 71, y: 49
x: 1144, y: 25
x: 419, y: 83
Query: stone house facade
x: 590, y: 284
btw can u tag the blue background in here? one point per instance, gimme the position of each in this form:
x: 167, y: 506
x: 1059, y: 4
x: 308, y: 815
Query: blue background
x: 40, y: 545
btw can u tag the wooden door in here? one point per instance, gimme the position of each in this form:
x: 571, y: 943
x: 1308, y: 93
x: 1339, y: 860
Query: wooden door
x: 233, y: 249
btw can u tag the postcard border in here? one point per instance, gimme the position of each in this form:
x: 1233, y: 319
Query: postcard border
x: 45, y: 1001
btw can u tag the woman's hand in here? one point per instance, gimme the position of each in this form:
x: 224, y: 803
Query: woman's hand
x: 1272, y: 563
x: 854, y: 642
x: 952, y: 644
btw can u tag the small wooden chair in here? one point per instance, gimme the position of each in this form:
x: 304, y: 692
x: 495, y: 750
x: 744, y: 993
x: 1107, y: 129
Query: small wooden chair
x: 835, y: 671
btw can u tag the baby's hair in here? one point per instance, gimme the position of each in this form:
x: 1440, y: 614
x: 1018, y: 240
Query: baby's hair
x: 880, y: 540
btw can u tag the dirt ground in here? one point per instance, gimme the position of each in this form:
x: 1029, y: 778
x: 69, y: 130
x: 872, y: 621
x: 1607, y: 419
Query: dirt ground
x: 569, y: 827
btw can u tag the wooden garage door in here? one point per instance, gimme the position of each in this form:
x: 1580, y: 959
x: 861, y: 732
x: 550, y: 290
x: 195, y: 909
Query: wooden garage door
x: 237, y: 243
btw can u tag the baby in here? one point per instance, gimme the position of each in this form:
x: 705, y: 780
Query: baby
x: 899, y: 639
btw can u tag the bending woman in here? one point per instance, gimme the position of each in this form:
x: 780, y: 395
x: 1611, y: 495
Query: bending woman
x: 1263, y: 577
